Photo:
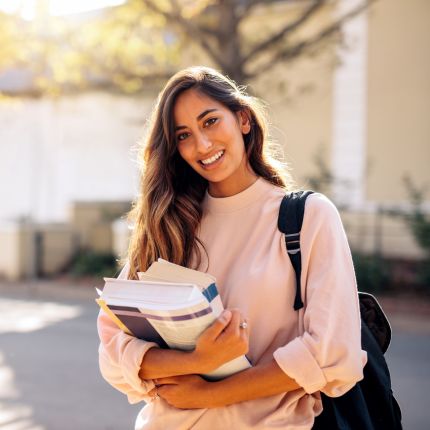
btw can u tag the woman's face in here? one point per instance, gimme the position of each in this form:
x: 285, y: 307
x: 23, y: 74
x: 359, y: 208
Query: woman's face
x: 210, y: 139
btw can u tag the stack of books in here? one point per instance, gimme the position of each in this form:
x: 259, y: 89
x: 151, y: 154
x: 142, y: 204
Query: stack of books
x: 170, y: 305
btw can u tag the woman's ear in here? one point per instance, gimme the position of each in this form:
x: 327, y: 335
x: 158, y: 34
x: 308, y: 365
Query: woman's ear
x: 244, y: 121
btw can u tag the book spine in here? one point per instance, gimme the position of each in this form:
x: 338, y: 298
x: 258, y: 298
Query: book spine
x: 210, y: 292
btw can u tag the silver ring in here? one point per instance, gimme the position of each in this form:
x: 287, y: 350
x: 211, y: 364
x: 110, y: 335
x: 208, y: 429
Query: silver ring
x: 243, y: 324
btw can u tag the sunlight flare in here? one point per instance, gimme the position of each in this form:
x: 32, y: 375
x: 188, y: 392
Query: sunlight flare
x: 21, y: 316
x: 27, y: 8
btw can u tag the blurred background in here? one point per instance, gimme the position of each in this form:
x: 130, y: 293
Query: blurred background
x: 347, y: 88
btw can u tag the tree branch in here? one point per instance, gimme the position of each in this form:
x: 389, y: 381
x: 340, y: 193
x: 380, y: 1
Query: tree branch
x: 277, y: 37
x: 250, y: 4
x: 306, y: 45
x: 198, y: 34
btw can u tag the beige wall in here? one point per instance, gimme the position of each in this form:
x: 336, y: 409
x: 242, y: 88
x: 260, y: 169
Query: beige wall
x: 398, y: 97
x: 58, y: 247
x: 16, y: 251
x: 120, y: 238
x: 397, y: 141
x: 93, y: 223
x: 28, y: 248
x: 299, y: 95
x: 302, y: 121
x: 382, y: 234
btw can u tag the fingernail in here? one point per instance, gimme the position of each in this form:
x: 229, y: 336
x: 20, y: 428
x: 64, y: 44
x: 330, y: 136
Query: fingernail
x: 226, y: 315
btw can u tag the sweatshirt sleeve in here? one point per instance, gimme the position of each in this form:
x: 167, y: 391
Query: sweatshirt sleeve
x: 327, y: 357
x: 120, y: 357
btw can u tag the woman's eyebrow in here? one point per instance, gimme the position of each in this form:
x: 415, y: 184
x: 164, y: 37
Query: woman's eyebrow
x: 199, y: 117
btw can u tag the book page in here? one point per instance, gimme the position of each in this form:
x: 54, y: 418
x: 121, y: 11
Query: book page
x: 236, y: 365
x: 174, y: 273
x: 112, y: 316
x: 191, y: 274
x: 183, y: 334
x: 209, y: 290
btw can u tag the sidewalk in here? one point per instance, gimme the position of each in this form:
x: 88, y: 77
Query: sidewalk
x: 406, y: 313
x: 55, y: 289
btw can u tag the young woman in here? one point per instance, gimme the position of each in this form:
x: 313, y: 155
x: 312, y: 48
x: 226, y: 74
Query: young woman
x: 210, y: 197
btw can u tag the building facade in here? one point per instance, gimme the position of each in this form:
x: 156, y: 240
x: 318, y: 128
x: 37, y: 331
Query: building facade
x: 360, y: 112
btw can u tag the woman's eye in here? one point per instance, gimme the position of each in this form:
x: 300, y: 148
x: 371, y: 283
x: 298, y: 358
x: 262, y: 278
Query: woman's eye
x: 211, y: 121
x: 181, y: 136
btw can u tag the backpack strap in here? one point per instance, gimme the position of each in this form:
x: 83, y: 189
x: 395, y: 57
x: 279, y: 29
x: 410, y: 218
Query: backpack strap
x: 290, y: 222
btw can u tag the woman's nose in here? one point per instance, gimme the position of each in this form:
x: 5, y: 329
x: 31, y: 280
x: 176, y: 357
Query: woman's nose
x: 203, y: 143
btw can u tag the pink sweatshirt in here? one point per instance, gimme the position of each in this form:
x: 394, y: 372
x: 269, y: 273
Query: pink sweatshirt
x: 319, y: 346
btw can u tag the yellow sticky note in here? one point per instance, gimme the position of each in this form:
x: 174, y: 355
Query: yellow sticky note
x: 113, y: 317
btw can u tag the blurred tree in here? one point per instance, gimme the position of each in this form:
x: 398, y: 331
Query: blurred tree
x: 116, y: 48
x: 126, y: 47
x: 322, y: 178
x: 418, y: 220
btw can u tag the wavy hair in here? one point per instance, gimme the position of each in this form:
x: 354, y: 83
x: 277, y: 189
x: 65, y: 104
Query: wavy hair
x: 168, y: 210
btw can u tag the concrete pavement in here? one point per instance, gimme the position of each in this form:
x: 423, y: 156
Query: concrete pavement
x: 49, y: 377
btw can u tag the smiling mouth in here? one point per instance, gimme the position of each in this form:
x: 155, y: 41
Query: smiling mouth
x: 211, y: 160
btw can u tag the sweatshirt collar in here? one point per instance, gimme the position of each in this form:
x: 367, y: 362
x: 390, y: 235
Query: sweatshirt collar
x: 238, y: 201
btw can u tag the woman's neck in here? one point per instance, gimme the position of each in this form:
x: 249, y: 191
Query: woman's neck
x: 233, y: 185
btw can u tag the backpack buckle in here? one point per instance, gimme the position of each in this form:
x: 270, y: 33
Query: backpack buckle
x: 293, y: 243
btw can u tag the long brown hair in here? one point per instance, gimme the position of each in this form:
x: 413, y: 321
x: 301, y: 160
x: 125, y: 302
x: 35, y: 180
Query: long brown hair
x: 168, y: 210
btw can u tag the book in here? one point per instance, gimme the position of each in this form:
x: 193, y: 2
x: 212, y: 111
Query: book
x: 170, y: 305
x: 162, y: 270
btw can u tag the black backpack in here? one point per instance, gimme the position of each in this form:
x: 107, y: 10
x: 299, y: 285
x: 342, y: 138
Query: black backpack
x: 370, y: 404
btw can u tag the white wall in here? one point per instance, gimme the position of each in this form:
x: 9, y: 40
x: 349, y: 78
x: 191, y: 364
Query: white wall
x: 350, y: 111
x: 77, y: 148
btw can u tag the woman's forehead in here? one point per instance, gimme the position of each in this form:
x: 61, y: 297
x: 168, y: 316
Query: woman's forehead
x: 191, y: 103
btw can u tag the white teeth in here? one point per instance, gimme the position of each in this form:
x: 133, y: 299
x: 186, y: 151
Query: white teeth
x: 213, y: 158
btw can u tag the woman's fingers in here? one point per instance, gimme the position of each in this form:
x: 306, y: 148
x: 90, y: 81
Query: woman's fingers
x: 223, y: 341
x: 234, y: 325
x: 237, y: 332
x: 217, y: 327
x: 153, y: 393
x: 170, y: 380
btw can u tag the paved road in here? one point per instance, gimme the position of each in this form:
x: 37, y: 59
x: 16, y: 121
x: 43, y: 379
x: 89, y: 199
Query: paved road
x: 49, y: 379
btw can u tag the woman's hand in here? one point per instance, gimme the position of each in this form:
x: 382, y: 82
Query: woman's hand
x: 185, y: 392
x: 223, y: 341
x: 218, y: 344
